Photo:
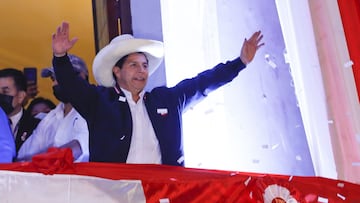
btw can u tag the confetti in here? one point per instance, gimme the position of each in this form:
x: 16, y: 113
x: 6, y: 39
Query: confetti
x: 247, y: 181
x: 341, y: 185
x: 275, y: 146
x: 164, y: 200
x: 348, y: 64
x: 290, y: 178
x: 269, y: 60
x: 323, y: 199
x: 341, y: 196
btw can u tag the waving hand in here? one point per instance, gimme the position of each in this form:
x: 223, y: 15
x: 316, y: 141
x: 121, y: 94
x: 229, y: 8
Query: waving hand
x: 250, y: 47
x: 61, y: 43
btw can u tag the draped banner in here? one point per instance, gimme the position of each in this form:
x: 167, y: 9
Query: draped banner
x: 52, y: 177
x: 350, y: 16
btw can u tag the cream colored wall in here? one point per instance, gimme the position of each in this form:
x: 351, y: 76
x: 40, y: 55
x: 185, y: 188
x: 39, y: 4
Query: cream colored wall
x: 26, y: 29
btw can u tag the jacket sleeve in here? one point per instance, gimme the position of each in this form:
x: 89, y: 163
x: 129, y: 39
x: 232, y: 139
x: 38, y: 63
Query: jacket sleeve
x: 80, y: 93
x: 191, y: 91
x: 81, y: 134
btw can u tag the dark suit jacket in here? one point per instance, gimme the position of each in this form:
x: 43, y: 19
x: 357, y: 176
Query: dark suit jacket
x: 27, y: 124
x: 109, y: 118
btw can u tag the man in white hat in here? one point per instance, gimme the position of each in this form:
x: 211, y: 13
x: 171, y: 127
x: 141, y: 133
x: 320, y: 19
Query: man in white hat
x: 127, y: 124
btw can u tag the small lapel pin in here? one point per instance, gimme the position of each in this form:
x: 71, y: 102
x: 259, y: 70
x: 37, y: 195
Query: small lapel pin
x: 162, y: 111
x: 121, y: 98
x: 23, y: 137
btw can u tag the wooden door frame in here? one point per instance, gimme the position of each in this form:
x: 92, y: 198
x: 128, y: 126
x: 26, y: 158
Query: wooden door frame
x: 111, y: 18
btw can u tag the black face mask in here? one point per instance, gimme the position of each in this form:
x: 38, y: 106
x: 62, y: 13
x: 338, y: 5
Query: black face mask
x: 6, y: 103
x: 59, y: 94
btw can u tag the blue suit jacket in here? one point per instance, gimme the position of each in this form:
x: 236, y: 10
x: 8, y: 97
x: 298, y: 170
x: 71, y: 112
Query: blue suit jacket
x: 109, y: 119
x: 7, y: 144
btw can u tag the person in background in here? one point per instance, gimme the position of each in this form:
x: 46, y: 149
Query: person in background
x: 31, y: 92
x: 62, y: 127
x: 40, y: 106
x: 12, y: 96
x: 7, y: 144
x: 126, y: 123
x: 31, y: 82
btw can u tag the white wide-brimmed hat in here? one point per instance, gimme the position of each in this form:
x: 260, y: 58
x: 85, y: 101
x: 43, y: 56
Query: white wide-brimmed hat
x: 119, y: 47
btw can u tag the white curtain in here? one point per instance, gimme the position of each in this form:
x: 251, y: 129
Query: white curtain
x: 325, y: 85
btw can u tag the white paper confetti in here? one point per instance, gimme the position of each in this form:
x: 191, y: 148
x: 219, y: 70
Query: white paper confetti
x: 275, y: 146
x: 164, y: 200
x: 247, y: 181
x: 323, y: 199
x: 290, y: 178
x: 270, y: 61
x: 348, y: 64
x: 341, y: 196
x: 181, y: 159
x: 341, y: 185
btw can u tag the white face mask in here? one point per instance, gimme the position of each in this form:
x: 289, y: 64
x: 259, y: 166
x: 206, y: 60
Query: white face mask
x: 40, y: 115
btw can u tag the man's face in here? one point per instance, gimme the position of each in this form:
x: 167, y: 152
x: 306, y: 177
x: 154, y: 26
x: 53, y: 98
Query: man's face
x: 7, y: 87
x: 134, y: 73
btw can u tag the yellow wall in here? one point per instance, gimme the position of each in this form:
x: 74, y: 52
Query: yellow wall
x: 26, y: 29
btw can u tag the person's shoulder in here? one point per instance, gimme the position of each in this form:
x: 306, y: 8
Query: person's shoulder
x: 159, y: 93
x: 28, y: 118
x: 158, y: 90
x: 103, y: 88
x: 76, y: 115
x: 106, y: 92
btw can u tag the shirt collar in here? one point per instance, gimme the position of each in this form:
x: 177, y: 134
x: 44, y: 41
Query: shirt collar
x: 16, y: 118
x: 129, y: 96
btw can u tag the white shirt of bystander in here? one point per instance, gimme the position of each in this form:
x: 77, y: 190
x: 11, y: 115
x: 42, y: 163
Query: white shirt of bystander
x: 55, y: 130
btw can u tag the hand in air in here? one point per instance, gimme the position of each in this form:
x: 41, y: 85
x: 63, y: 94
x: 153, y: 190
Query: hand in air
x: 61, y: 43
x: 250, y: 47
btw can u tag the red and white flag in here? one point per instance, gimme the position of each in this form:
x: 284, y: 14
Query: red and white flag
x: 53, y: 177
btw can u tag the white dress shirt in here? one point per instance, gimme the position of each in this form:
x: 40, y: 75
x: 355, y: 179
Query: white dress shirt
x: 55, y: 130
x: 15, y: 122
x: 144, y: 146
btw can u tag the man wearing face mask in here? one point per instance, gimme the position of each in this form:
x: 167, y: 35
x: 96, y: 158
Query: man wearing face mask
x: 12, y: 96
x: 62, y: 127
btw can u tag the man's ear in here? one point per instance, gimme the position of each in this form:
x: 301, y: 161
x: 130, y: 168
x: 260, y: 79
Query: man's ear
x: 116, y: 71
x: 22, y: 95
